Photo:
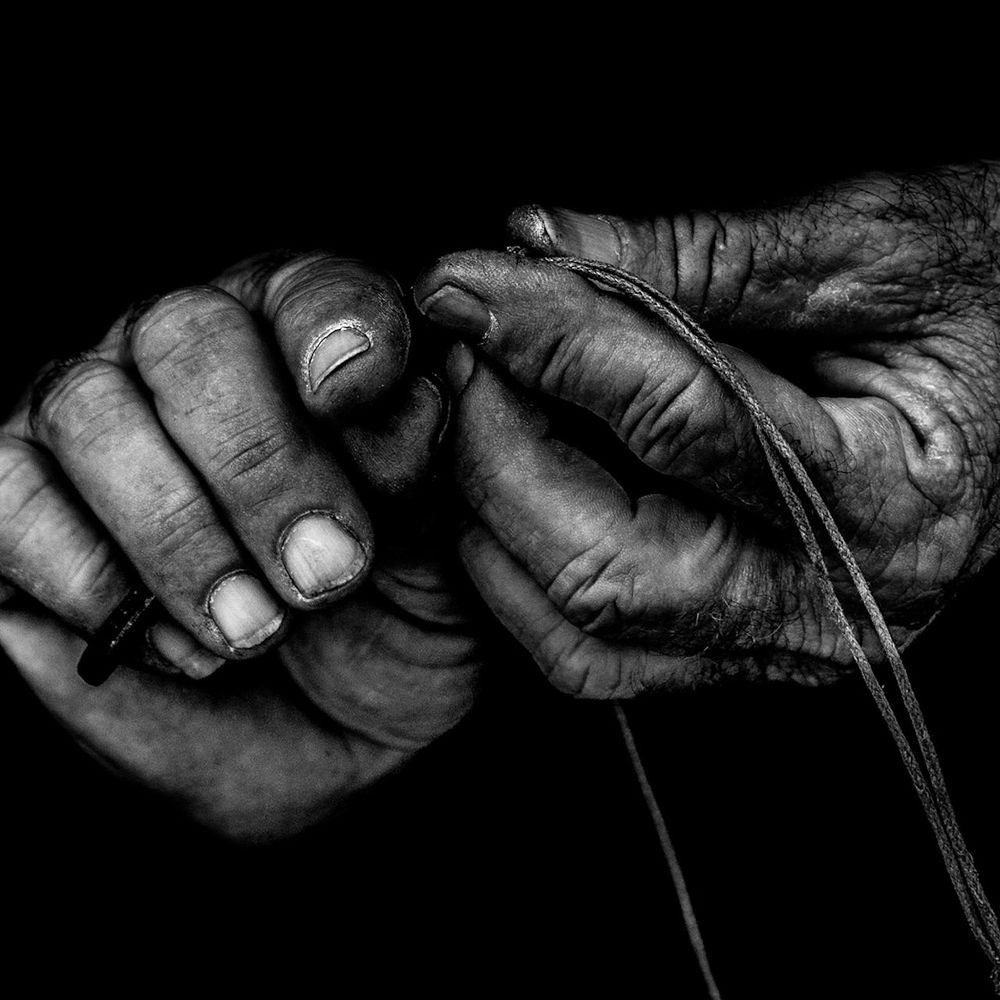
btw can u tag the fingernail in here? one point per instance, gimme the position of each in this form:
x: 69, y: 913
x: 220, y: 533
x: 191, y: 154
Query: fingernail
x: 244, y: 611
x: 455, y: 309
x: 443, y: 400
x: 182, y: 651
x: 459, y: 366
x: 582, y: 235
x: 528, y: 224
x: 334, y: 349
x: 319, y: 554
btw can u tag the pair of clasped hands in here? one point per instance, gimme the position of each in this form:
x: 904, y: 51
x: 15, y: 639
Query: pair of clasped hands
x: 324, y: 510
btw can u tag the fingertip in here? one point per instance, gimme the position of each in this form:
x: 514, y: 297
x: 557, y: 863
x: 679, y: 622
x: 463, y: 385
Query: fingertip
x: 395, y: 453
x: 342, y: 329
x: 459, y: 367
x: 180, y: 652
x: 529, y: 225
x: 455, y: 309
x: 470, y: 272
x: 470, y: 539
x: 595, y: 237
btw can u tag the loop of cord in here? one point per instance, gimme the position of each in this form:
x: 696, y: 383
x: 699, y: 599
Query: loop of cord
x: 922, y: 765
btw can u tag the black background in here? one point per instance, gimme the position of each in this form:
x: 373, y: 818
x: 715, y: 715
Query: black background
x: 517, y: 849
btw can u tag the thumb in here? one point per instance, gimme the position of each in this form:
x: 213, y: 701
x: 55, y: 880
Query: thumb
x: 843, y: 258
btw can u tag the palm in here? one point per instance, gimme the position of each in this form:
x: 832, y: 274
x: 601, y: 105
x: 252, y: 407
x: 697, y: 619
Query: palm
x: 246, y: 753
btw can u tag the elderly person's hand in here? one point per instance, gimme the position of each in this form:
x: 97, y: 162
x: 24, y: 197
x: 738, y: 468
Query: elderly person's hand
x: 866, y: 318
x: 226, y: 445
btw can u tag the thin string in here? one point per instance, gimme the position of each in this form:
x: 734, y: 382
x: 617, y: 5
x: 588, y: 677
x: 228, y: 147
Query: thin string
x: 667, y: 845
x: 928, y: 781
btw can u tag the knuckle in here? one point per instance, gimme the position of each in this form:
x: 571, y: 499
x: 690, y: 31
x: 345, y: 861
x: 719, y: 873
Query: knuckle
x: 261, y: 449
x: 680, y: 427
x: 22, y: 484
x: 584, y: 667
x: 89, y: 576
x: 594, y: 590
x: 304, y: 269
x: 247, y: 279
x: 75, y: 395
x: 185, y: 319
x: 93, y: 580
x: 570, y: 356
x: 184, y: 521
x: 309, y: 285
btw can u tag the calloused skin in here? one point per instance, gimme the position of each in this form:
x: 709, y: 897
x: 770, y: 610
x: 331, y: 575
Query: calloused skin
x: 183, y: 449
x: 867, y: 319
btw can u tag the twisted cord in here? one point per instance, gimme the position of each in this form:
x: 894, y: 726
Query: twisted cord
x: 667, y: 846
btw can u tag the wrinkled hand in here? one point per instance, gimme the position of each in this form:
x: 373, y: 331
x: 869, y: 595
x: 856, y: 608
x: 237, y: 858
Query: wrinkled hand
x: 866, y: 319
x: 226, y: 445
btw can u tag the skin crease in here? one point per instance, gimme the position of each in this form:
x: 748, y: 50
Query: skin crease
x: 865, y: 317
x: 865, y: 320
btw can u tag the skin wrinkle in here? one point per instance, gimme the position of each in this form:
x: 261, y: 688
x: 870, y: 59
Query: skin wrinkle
x: 284, y: 286
x: 88, y: 421
x: 668, y: 441
x: 958, y: 473
x: 578, y: 598
x: 33, y: 510
x: 259, y: 449
x: 176, y: 527
x: 15, y: 459
x: 187, y: 322
x: 708, y: 270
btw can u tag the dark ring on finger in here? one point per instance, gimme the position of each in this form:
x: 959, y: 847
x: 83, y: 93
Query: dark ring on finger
x: 115, y: 635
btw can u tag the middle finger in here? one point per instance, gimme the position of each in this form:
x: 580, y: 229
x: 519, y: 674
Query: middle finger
x: 222, y: 399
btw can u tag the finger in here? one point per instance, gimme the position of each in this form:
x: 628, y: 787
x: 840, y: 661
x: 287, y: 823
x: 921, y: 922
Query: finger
x: 218, y: 396
x: 663, y: 566
x: 573, y: 661
x: 108, y: 442
x: 344, y: 335
x: 557, y: 333
x: 58, y: 554
x: 830, y: 262
x: 340, y: 326
x: 702, y: 260
x: 50, y: 547
x: 394, y: 451
x: 204, y: 748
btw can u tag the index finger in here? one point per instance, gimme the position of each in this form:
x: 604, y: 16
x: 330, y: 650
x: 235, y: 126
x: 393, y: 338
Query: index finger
x: 558, y: 334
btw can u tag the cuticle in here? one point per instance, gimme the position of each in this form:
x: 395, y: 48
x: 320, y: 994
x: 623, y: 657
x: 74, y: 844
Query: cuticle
x: 213, y: 626
x: 322, y: 338
x: 364, y: 549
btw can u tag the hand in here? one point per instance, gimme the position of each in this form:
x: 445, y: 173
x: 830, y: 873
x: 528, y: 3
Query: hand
x: 216, y: 444
x: 866, y: 319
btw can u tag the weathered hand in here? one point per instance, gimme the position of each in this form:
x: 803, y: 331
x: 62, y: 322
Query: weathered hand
x: 219, y: 444
x: 866, y: 319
